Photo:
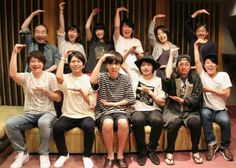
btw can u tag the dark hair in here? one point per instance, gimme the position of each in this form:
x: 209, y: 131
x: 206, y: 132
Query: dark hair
x: 115, y: 58
x: 127, y: 22
x: 78, y: 55
x: 99, y: 26
x: 38, y: 55
x: 200, y: 24
x: 41, y: 25
x: 73, y: 27
x: 164, y: 29
x: 211, y: 56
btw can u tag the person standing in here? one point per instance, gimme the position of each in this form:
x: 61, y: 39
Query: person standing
x: 124, y: 38
x: 160, y: 40
x: 200, y: 31
x: 98, y: 42
x: 39, y: 43
x: 68, y: 41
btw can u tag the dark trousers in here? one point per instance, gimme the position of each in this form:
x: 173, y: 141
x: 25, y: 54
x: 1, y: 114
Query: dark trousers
x: 139, y: 120
x: 193, y: 123
x: 64, y: 124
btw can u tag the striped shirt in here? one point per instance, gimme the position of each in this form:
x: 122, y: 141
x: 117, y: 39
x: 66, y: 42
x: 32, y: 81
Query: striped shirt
x: 114, y: 91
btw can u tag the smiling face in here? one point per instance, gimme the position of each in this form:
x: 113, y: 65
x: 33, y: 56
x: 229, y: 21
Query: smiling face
x: 146, y: 69
x: 36, y: 65
x: 76, y: 65
x: 210, y: 67
x: 100, y: 34
x: 40, y: 34
x: 183, y: 68
x: 162, y: 36
x: 127, y: 31
x: 201, y: 32
x: 72, y: 35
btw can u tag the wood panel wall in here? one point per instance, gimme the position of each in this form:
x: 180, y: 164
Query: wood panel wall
x: 13, y: 13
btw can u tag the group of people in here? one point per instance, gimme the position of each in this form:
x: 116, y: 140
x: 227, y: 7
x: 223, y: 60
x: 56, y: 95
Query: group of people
x: 125, y: 90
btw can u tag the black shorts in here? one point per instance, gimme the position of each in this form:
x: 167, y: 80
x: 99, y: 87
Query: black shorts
x: 115, y: 117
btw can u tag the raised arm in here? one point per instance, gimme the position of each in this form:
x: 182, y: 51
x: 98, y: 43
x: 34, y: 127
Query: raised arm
x: 60, y: 68
x: 61, y: 18
x: 117, y: 22
x: 198, y: 63
x: 96, y: 70
x: 151, y: 29
x: 198, y: 12
x: 125, y: 66
x: 89, y: 34
x: 169, y: 66
x: 27, y: 21
x: 13, y: 63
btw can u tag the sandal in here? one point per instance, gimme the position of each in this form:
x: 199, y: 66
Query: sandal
x: 197, y: 158
x: 169, y: 159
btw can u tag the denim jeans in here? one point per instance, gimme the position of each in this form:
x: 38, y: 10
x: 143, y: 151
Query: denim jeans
x: 15, y: 125
x: 221, y: 117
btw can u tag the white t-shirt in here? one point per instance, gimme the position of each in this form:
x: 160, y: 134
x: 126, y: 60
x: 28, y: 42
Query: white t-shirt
x: 123, y: 44
x: 144, y: 101
x: 36, y: 102
x: 74, y: 105
x: 220, y: 81
x: 64, y: 46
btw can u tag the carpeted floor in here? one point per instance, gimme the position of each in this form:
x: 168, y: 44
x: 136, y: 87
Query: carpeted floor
x: 182, y: 159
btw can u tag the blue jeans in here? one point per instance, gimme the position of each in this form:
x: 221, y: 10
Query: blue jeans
x: 15, y: 125
x: 221, y: 117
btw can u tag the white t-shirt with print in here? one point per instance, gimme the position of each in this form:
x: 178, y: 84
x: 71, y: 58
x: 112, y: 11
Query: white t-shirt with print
x: 220, y: 81
x: 36, y: 102
x: 74, y: 105
x: 64, y: 46
x: 144, y: 101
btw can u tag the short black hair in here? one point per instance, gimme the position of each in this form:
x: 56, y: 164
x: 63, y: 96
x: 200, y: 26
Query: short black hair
x: 78, y: 55
x: 99, y: 26
x: 115, y: 58
x: 201, y: 24
x: 129, y: 23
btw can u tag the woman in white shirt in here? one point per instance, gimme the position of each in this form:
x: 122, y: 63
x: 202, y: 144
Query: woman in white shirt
x: 68, y: 41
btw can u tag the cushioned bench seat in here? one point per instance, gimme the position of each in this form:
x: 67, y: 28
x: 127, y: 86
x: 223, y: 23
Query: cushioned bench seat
x: 74, y: 137
x: 74, y: 141
x: 5, y: 113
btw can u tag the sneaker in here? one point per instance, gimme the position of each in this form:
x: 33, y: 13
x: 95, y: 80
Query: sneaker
x: 61, y: 161
x: 197, y: 158
x: 21, y: 159
x: 88, y: 163
x: 141, y: 159
x: 211, y: 152
x: 153, y: 157
x: 169, y: 159
x: 44, y: 161
x: 227, y: 154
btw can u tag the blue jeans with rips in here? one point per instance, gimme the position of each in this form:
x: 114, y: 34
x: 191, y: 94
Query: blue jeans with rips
x: 221, y: 117
x: 15, y: 125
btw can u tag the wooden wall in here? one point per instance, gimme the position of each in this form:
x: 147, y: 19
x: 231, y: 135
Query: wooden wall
x: 13, y: 13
